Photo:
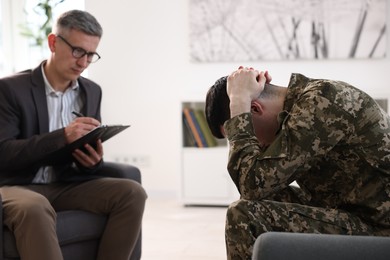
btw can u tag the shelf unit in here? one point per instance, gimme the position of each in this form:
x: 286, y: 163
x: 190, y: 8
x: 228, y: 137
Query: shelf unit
x: 204, y: 176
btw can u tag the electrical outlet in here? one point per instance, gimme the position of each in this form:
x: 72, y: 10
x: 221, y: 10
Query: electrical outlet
x: 139, y: 160
x: 136, y: 160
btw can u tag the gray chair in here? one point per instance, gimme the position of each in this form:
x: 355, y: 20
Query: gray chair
x: 294, y: 246
x: 78, y: 231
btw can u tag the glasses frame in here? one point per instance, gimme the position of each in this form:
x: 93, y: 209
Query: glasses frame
x: 78, y: 52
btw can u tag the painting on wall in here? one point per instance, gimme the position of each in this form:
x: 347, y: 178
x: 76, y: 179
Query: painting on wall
x: 256, y: 30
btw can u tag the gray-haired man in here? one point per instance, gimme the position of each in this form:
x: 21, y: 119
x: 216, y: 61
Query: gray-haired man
x: 36, y: 118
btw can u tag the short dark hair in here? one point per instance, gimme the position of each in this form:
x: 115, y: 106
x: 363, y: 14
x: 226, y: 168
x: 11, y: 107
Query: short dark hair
x: 217, y: 107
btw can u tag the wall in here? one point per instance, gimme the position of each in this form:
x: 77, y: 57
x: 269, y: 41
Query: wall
x: 145, y: 72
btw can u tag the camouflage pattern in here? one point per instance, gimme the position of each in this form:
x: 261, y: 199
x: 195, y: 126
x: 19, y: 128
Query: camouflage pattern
x: 334, y: 141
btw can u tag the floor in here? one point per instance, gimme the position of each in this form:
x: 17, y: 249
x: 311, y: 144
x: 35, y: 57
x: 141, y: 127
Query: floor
x: 172, y: 231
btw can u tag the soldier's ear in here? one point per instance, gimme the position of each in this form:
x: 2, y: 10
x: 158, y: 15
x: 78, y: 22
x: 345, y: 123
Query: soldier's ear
x: 257, y: 108
x: 222, y: 131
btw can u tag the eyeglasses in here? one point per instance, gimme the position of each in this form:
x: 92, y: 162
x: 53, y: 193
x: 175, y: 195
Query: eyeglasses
x: 78, y: 52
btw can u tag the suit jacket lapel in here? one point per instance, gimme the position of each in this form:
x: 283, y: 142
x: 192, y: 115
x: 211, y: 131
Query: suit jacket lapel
x: 87, y: 110
x: 91, y: 98
x: 39, y: 96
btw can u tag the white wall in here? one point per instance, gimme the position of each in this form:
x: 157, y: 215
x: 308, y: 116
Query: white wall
x: 145, y: 72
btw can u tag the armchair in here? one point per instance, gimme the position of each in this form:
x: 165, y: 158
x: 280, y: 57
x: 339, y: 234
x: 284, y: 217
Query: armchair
x: 294, y: 246
x: 78, y: 231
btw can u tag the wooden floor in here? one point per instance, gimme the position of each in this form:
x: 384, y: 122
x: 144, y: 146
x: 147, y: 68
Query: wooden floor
x: 172, y: 231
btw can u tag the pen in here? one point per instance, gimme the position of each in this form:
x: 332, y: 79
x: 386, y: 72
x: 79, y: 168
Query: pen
x: 78, y: 114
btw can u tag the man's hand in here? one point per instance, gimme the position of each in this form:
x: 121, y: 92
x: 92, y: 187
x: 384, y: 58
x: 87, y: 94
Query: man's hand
x: 80, y: 127
x: 91, y: 157
x: 243, y: 86
x: 77, y: 129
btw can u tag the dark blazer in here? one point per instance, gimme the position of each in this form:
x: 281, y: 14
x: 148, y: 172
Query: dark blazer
x: 24, y: 125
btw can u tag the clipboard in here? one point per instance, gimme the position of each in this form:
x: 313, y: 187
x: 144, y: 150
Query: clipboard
x: 103, y: 132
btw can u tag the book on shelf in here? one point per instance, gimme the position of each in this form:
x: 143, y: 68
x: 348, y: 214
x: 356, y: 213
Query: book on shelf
x: 194, y: 126
x: 188, y: 136
x: 201, y: 118
x: 197, y: 128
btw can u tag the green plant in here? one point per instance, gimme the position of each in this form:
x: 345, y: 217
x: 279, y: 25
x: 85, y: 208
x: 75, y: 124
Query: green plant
x: 39, y: 31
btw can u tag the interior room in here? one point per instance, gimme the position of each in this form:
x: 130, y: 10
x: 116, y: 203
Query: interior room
x: 148, y: 74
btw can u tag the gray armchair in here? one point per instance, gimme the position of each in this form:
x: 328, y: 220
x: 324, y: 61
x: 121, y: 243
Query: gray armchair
x: 78, y: 231
x: 297, y: 246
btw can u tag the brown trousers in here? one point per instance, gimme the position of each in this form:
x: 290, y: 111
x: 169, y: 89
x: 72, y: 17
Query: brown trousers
x: 29, y: 211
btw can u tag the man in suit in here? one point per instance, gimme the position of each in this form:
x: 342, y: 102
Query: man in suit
x: 36, y: 119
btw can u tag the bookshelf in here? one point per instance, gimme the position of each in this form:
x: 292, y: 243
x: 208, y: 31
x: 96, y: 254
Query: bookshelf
x: 204, y: 176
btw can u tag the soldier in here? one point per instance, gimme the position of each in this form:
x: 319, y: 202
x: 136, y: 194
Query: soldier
x: 329, y: 137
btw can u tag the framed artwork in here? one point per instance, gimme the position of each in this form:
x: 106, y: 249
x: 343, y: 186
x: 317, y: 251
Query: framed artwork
x: 255, y: 30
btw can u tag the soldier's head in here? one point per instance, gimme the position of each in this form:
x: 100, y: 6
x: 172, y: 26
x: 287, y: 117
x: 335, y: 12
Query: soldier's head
x: 264, y: 110
x: 217, y: 107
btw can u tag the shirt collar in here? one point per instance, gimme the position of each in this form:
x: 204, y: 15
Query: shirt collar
x: 49, y: 89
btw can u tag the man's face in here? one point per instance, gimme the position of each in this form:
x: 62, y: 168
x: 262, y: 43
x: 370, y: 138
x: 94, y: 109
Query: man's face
x: 68, y: 66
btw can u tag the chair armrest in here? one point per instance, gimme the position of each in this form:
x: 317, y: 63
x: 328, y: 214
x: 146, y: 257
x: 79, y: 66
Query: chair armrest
x: 120, y: 170
x: 280, y: 245
x: 1, y: 229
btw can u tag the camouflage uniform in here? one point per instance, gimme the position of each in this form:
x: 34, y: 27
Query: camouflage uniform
x: 334, y: 141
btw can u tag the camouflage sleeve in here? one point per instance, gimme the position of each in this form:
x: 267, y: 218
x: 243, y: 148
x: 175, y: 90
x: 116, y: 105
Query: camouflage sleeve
x: 309, y: 130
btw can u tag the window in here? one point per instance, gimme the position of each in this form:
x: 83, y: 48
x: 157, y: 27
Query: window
x: 18, y: 52
x: 1, y: 40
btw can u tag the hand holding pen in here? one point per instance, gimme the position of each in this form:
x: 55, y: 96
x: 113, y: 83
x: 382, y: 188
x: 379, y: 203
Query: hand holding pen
x: 80, y: 127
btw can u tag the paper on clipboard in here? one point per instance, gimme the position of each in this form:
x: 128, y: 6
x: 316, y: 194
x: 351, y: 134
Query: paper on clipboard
x: 103, y: 132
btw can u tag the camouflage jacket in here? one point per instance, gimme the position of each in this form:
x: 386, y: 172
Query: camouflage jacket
x: 334, y: 141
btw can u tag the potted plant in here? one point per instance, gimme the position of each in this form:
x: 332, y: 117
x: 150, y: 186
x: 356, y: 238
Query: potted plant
x: 40, y: 28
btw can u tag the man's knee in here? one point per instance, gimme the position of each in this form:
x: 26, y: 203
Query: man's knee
x: 237, y: 212
x: 37, y: 205
x: 136, y: 190
x: 245, y: 211
x: 253, y: 217
x: 132, y: 193
x: 35, y: 209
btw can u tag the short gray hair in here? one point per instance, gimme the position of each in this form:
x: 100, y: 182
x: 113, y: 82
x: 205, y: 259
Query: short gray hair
x: 78, y: 20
